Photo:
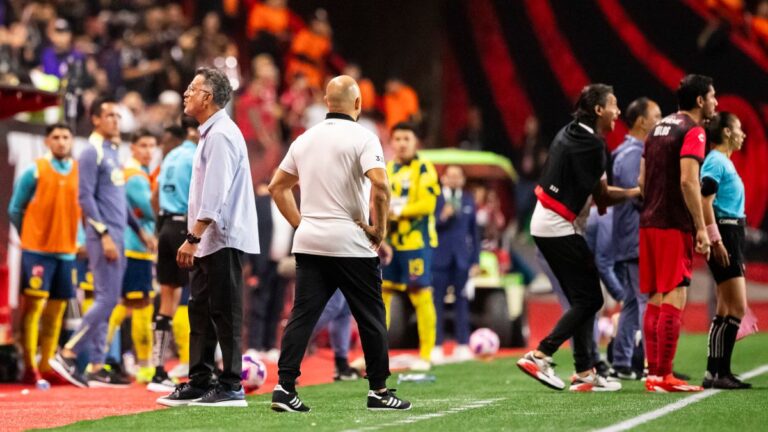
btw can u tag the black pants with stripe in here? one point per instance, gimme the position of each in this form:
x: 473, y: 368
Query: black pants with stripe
x: 317, y: 278
x: 574, y: 266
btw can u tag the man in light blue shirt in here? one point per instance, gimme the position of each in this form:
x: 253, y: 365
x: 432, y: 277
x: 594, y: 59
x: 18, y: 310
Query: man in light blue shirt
x: 221, y: 225
x: 641, y: 115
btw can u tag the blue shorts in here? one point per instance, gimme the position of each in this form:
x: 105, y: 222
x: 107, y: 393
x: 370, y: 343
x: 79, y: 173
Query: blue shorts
x: 84, y: 275
x: 408, y: 269
x: 137, y: 281
x: 47, y: 276
x: 184, y: 301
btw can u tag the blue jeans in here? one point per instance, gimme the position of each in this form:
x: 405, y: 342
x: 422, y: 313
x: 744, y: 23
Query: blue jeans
x: 630, y: 320
x: 338, y: 318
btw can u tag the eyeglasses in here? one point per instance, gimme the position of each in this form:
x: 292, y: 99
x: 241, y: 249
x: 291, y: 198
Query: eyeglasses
x: 191, y: 90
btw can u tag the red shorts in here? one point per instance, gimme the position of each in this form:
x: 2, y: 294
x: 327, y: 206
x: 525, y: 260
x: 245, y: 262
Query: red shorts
x: 666, y: 259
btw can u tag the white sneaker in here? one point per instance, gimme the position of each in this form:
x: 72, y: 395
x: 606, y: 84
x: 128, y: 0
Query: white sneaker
x: 593, y: 383
x: 437, y: 355
x: 541, y: 370
x: 420, y: 365
x: 462, y: 353
x: 181, y: 370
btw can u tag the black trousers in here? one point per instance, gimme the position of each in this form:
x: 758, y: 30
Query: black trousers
x: 574, y: 266
x: 266, y: 308
x: 216, y: 314
x: 317, y: 278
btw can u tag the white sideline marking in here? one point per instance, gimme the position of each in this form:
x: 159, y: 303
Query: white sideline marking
x: 418, y: 418
x: 653, y: 415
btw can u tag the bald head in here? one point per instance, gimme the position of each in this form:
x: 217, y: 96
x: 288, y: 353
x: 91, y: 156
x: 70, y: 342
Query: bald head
x: 342, y: 95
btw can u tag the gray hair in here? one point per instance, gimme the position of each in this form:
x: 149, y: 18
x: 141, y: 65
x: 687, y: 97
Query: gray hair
x: 221, y: 90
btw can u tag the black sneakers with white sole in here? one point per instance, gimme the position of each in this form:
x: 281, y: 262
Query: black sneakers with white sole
x: 386, y: 401
x: 285, y: 401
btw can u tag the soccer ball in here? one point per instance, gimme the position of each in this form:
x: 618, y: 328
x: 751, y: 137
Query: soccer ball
x: 484, y: 342
x: 254, y: 373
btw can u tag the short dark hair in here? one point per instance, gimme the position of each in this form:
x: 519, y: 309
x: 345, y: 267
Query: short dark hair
x: 591, y: 95
x: 139, y: 134
x: 720, y: 121
x: 405, y: 126
x: 52, y: 127
x: 98, y: 102
x: 221, y: 90
x: 690, y: 88
x: 188, y: 122
x: 636, y: 109
x: 177, y: 132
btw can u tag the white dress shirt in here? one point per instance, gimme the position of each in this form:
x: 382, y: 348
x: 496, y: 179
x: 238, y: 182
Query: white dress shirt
x: 221, y: 189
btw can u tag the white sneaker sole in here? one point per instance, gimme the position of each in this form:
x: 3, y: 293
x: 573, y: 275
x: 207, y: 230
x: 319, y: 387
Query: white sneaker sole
x: 174, y: 403
x: 390, y: 409
x: 160, y: 388
x: 62, y: 371
x: 281, y: 407
x: 528, y: 367
x: 223, y: 404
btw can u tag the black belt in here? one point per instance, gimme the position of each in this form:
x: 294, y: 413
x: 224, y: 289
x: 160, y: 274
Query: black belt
x: 176, y: 217
x: 732, y: 221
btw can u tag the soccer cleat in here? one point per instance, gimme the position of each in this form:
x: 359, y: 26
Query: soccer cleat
x: 285, y: 401
x: 624, y: 373
x: 709, y: 379
x: 347, y: 374
x: 593, y: 383
x: 67, y: 369
x: 602, y: 368
x: 650, y: 382
x: 161, y: 383
x: 218, y: 396
x: 730, y: 382
x: 386, y: 401
x: 670, y: 384
x: 106, y: 379
x: 183, y: 394
x: 541, y: 370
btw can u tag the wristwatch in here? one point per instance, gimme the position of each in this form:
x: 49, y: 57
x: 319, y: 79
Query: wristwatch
x: 191, y: 239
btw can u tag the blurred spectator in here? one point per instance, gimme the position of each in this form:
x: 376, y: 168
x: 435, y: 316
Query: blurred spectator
x: 211, y: 42
x: 60, y: 55
x: 295, y: 101
x: 490, y: 219
x: 400, y: 103
x: 472, y: 137
x: 759, y: 23
x: 367, y: 89
x: 269, y: 28
x: 530, y: 163
x: 310, y: 50
x: 132, y: 110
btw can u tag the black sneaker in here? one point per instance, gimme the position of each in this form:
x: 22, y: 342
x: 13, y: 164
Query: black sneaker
x: 730, y: 382
x: 67, y: 369
x: 183, y: 394
x: 161, y: 383
x: 104, y: 378
x: 285, y: 401
x: 219, y: 396
x: 624, y: 373
x: 347, y: 374
x: 602, y: 368
x: 708, y: 381
x: 386, y: 401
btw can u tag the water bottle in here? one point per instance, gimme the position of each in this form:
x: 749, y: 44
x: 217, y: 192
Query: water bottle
x: 43, y: 385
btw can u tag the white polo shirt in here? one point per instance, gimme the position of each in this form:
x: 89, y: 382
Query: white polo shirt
x: 331, y: 160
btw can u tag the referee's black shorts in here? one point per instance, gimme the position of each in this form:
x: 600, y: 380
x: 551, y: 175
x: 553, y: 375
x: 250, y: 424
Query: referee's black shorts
x: 732, y: 233
x: 172, y: 232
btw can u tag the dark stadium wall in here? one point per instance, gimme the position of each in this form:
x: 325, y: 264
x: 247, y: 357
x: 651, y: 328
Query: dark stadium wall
x: 540, y: 53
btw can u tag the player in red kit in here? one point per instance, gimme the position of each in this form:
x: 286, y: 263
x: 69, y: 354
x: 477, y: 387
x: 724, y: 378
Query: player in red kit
x: 672, y: 216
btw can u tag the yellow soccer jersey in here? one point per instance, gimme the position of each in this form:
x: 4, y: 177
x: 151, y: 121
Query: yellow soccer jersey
x: 415, y: 189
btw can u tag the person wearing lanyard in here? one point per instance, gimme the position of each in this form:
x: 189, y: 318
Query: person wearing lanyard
x: 221, y: 225
x: 173, y: 198
x: 723, y: 205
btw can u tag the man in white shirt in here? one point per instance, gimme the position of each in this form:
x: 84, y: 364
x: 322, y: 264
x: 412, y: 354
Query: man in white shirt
x: 339, y: 166
x: 221, y: 226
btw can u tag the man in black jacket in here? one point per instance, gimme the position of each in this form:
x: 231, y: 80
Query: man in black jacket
x: 575, y: 172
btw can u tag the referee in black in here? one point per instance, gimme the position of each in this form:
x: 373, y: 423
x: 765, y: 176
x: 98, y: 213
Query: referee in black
x: 339, y: 166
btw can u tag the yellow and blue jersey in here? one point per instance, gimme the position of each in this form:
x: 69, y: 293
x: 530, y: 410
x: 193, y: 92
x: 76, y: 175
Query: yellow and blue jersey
x: 415, y: 188
x: 139, y: 195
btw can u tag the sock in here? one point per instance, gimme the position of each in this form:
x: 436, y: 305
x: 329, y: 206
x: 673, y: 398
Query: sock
x: 162, y: 337
x: 650, y: 336
x: 115, y: 320
x: 714, y: 345
x: 426, y: 320
x: 33, y: 310
x: 52, y: 321
x: 341, y: 363
x: 386, y: 296
x: 668, y: 334
x: 287, y: 385
x: 732, y: 325
x: 141, y: 333
x: 181, y: 333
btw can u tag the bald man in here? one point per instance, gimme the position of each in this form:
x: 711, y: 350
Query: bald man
x: 339, y: 166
